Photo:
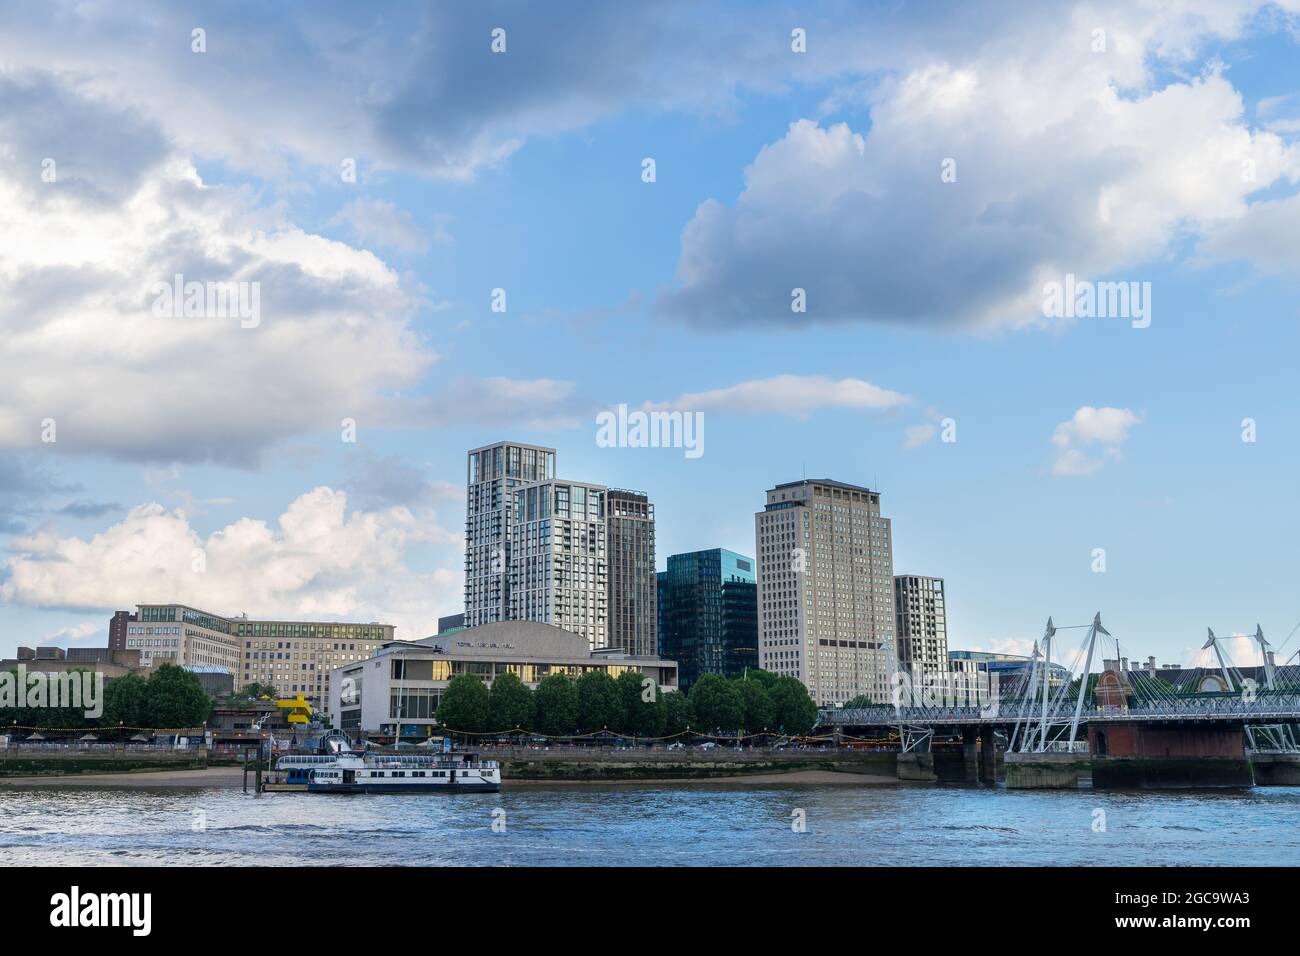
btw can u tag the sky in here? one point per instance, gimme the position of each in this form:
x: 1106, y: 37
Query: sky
x: 829, y: 229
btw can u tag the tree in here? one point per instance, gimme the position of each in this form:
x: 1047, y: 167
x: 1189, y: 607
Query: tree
x: 256, y: 691
x: 795, y: 711
x: 600, y: 704
x: 677, y: 713
x: 643, y: 705
x: 124, y: 702
x: 717, y: 703
x: 767, y: 679
x: 510, y: 704
x: 465, y: 704
x: 862, y: 700
x: 757, y: 703
x: 556, y: 698
x: 174, y: 698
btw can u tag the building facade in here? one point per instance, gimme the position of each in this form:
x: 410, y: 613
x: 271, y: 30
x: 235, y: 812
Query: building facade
x: 921, y: 620
x: 295, y: 657
x: 117, y: 625
x: 403, y: 683
x: 630, y: 551
x: 826, y: 589
x: 709, y: 613
x: 558, y: 570
x: 493, y: 473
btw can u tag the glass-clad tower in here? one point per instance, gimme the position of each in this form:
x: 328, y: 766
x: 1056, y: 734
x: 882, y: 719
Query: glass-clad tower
x: 709, y: 614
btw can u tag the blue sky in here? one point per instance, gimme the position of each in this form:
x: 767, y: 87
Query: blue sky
x: 523, y: 171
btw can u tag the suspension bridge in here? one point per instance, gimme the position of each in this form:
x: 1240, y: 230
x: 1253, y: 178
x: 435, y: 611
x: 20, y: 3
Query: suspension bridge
x: 1079, y: 711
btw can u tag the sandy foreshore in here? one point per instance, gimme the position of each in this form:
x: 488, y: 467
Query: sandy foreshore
x: 233, y: 777
x: 163, y: 779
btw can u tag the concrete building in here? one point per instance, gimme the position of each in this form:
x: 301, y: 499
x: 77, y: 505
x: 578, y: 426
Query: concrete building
x: 405, y: 680
x: 558, y: 569
x: 292, y: 656
x: 826, y: 589
x: 55, y: 660
x: 493, y: 473
x: 630, y: 550
x: 117, y: 625
x: 709, y: 613
x: 921, y: 621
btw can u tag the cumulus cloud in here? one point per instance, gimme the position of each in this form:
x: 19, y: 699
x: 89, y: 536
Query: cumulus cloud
x: 1106, y: 427
x: 918, y: 435
x: 317, y: 560
x: 1062, y: 160
x: 82, y: 265
x: 799, y: 395
x: 382, y: 223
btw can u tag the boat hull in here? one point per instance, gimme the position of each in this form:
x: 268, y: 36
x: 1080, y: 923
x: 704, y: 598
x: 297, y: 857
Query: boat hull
x: 404, y: 788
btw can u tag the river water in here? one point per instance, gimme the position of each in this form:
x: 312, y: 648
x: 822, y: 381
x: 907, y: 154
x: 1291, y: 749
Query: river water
x: 655, y: 825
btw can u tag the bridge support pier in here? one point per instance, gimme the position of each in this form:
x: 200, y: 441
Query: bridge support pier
x: 917, y: 766
x: 1133, y: 755
x: 988, y: 771
x: 1045, y: 771
x: 970, y: 754
x: 1276, y: 770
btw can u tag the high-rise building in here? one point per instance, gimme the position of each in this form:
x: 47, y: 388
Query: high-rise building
x: 117, y: 629
x: 826, y: 589
x: 630, y: 551
x: 494, y: 472
x: 557, y: 563
x: 709, y: 613
x: 922, y: 625
x: 295, y: 657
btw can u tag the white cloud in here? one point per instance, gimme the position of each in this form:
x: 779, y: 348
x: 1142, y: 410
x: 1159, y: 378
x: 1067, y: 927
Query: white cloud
x: 381, y: 222
x: 1067, y: 161
x: 80, y: 266
x: 316, y: 561
x: 75, y: 633
x: 799, y: 395
x: 1107, y: 427
x: 918, y: 435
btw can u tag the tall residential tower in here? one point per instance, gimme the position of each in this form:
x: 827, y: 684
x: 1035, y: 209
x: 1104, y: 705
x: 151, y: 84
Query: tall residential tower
x: 826, y: 589
x: 494, y: 472
x: 557, y: 558
x: 710, y: 614
x: 630, y: 546
x: 922, y: 625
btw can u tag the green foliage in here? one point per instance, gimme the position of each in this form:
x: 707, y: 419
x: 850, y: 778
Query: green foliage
x: 717, y: 704
x: 466, y: 705
x: 643, y: 706
x: 600, y: 703
x: 38, y: 695
x: 795, y: 710
x: 124, y: 702
x: 767, y: 679
x: 678, y: 715
x: 256, y: 691
x: 174, y: 698
x: 759, y: 710
x: 862, y: 700
x: 510, y: 704
x: 556, y: 698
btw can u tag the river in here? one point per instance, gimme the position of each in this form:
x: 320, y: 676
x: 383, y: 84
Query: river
x: 655, y: 825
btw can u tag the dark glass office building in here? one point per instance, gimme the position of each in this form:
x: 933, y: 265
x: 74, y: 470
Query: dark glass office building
x: 708, y: 614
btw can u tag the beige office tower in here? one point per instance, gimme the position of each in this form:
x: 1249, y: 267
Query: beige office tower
x: 633, y: 586
x: 922, y: 625
x: 826, y: 589
x: 494, y: 472
x: 557, y: 564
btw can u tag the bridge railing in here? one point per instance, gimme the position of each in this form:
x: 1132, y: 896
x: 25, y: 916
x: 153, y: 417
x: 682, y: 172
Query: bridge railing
x: 1282, y: 708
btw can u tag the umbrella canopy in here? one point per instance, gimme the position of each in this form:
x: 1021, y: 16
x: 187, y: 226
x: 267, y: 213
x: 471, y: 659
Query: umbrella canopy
x: 35, y: 737
x: 88, y: 737
x: 142, y: 737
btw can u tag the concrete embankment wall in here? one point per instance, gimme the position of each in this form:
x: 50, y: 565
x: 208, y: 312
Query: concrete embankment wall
x: 15, y: 763
x: 679, y: 764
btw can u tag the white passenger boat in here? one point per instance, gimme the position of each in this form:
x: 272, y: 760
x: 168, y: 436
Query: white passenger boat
x: 357, y: 772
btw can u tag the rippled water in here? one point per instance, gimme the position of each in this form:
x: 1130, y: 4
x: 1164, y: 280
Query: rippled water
x: 654, y: 825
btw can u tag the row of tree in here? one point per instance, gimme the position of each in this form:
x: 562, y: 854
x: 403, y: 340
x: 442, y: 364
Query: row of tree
x: 171, y: 697
x: 630, y: 705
